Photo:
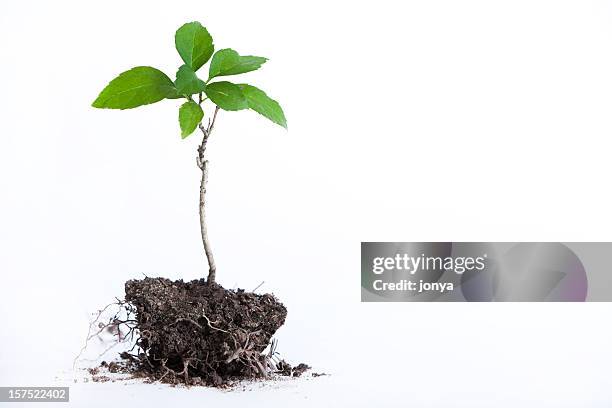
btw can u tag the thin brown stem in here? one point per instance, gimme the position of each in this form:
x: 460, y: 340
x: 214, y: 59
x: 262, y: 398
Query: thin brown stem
x: 212, y: 269
x: 203, y: 165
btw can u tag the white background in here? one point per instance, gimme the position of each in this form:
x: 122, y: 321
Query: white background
x: 408, y: 121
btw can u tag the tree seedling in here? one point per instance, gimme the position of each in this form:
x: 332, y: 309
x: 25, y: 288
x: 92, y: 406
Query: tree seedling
x: 197, y: 333
x: 145, y: 85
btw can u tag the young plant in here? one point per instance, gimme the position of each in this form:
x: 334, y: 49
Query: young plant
x: 145, y: 85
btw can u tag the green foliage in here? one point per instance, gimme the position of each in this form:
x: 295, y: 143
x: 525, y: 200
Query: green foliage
x: 194, y: 44
x: 190, y: 115
x: 229, y: 62
x: 145, y: 85
x: 136, y: 87
x: 226, y: 95
x: 187, y: 82
x: 263, y: 104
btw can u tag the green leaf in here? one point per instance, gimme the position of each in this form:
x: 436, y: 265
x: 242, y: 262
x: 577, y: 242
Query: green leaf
x: 194, y: 44
x: 226, y: 95
x: 263, y: 104
x: 187, y: 82
x: 229, y: 62
x: 136, y: 87
x: 190, y: 115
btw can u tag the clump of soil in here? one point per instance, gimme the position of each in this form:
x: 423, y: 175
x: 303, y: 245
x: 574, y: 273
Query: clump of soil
x: 199, y: 333
x: 285, y: 368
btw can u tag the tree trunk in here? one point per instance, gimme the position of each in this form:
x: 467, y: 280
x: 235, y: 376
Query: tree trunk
x: 212, y: 269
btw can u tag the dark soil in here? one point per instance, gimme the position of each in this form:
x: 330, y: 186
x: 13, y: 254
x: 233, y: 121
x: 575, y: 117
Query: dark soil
x: 195, y: 333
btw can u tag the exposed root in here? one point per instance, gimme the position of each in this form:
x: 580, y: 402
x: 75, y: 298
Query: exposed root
x: 114, y: 326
